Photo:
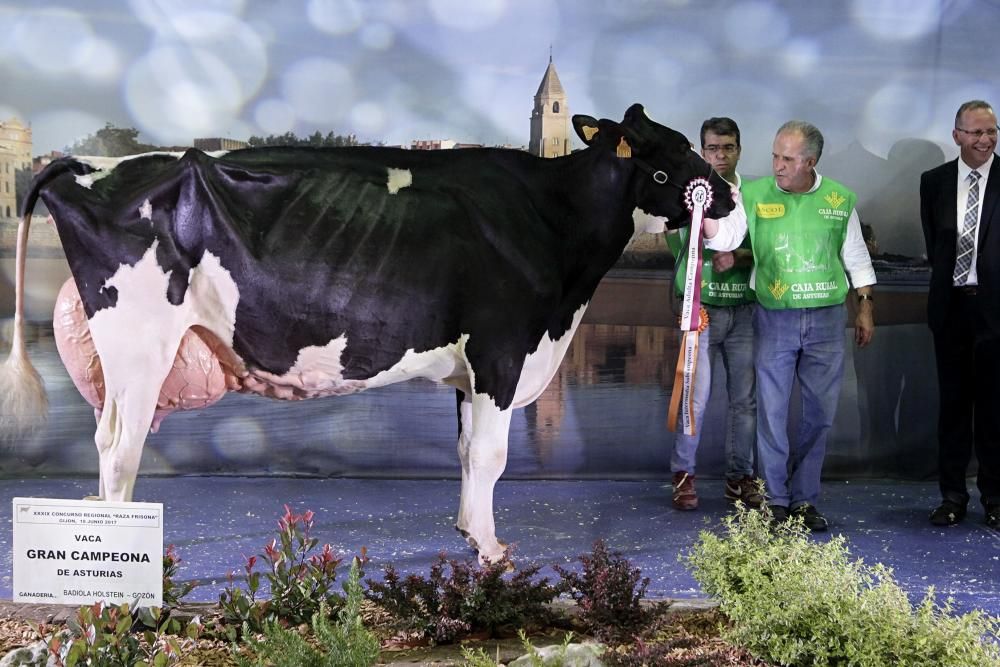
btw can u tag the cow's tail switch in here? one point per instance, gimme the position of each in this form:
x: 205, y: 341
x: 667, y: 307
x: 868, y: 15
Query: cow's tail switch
x: 23, y: 403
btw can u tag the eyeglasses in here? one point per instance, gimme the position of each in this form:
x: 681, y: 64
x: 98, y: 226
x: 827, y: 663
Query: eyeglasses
x: 728, y: 149
x: 978, y: 134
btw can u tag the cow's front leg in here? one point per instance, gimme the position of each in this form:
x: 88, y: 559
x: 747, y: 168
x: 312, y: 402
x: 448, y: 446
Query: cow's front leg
x: 464, y: 440
x: 482, y: 447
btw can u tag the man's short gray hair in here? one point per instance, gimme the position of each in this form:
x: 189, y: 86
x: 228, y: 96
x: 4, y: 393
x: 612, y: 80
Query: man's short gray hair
x: 971, y: 105
x: 813, y: 137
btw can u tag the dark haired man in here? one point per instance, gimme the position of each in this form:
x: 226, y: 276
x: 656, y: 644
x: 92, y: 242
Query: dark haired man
x: 725, y: 296
x: 959, y: 204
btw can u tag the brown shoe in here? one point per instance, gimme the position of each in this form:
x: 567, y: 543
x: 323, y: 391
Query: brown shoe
x: 685, y: 497
x: 746, y: 489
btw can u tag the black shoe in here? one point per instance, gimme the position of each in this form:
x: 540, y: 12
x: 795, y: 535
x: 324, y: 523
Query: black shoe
x: 993, y: 516
x: 811, y: 517
x: 779, y: 514
x: 949, y: 513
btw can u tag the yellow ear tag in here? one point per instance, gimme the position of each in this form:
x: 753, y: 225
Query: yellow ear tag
x: 589, y: 131
x: 624, y: 150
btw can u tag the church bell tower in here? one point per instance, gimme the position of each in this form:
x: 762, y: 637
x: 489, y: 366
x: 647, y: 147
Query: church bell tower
x: 550, y: 117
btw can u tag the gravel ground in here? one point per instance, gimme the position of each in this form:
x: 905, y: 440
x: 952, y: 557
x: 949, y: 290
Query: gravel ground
x: 693, y: 633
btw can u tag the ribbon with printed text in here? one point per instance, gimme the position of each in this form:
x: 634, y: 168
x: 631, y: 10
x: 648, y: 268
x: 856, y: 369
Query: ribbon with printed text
x: 694, y: 318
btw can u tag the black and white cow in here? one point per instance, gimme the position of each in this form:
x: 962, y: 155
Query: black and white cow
x: 315, y: 272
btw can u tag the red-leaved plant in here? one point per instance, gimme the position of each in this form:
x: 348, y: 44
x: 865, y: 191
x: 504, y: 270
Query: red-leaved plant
x: 298, y: 579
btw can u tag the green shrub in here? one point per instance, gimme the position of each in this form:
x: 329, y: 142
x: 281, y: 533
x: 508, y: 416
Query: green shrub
x: 299, y: 580
x: 172, y: 591
x: 471, y: 599
x: 796, y: 602
x: 609, y: 593
x: 102, y: 635
x: 345, y: 644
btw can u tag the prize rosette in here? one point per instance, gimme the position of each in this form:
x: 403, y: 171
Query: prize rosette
x: 698, y: 194
x: 697, y: 198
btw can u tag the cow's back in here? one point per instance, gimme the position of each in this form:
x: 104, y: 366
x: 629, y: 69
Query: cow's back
x: 320, y: 247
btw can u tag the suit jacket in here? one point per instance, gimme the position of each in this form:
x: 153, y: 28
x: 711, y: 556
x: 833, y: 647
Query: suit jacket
x: 938, y: 215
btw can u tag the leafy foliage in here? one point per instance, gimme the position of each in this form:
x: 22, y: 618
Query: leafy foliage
x: 299, y: 580
x: 173, y: 591
x: 799, y: 602
x: 113, y: 636
x: 316, y: 139
x: 345, y: 644
x: 609, y: 593
x: 111, y: 141
x: 469, y: 599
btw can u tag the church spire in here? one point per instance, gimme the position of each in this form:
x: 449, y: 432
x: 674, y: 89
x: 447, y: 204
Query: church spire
x: 550, y: 116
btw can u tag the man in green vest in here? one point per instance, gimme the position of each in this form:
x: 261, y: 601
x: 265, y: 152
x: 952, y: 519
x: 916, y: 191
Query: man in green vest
x: 725, y: 295
x: 807, y: 241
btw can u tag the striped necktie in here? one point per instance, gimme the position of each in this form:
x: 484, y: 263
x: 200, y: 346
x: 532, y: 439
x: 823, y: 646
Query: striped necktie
x: 967, y: 237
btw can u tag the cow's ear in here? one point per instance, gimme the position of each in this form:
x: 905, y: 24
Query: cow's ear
x: 586, y: 128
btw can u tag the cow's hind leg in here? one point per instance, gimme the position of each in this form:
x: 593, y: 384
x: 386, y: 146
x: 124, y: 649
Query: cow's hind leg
x: 482, y: 448
x: 134, y: 370
x: 122, y: 429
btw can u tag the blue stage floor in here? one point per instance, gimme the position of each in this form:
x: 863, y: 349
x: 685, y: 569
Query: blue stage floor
x: 214, y: 521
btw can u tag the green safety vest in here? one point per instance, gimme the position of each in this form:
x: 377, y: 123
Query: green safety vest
x: 797, y: 239
x: 729, y: 288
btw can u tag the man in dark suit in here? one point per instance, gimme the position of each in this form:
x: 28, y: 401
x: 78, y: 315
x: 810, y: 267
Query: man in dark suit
x: 960, y: 214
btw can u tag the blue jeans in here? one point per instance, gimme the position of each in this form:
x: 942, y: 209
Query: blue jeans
x: 808, y: 344
x: 730, y: 337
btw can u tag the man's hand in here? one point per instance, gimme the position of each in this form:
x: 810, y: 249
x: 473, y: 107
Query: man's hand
x: 864, y: 323
x: 723, y: 261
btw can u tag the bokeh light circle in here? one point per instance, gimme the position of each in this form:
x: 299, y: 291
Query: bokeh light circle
x: 48, y: 40
x: 897, y: 20
x: 755, y: 26
x: 336, y: 17
x: 274, y: 116
x: 378, y: 36
x: 176, y: 94
x: 320, y: 90
x: 465, y: 15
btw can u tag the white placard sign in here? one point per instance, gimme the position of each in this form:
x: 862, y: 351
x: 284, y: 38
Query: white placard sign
x: 81, y: 551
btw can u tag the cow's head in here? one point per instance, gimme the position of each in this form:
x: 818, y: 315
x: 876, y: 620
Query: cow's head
x: 665, y: 163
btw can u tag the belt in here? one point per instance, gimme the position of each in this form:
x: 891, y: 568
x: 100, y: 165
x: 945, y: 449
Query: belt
x: 965, y: 290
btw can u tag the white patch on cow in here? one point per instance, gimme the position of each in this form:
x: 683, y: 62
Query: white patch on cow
x: 143, y: 311
x: 318, y: 371
x: 399, y: 179
x: 105, y: 165
x: 146, y: 211
x: 646, y: 223
x: 87, y: 180
x: 542, y: 364
x: 136, y: 340
x: 443, y: 364
x: 212, y: 297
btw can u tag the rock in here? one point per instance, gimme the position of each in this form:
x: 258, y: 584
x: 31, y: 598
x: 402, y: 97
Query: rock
x: 33, y: 655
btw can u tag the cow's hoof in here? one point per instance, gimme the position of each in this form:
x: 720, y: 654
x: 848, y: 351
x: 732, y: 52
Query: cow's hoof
x: 486, y: 559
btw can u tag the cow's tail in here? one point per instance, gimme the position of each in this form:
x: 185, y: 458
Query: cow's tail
x: 23, y: 403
